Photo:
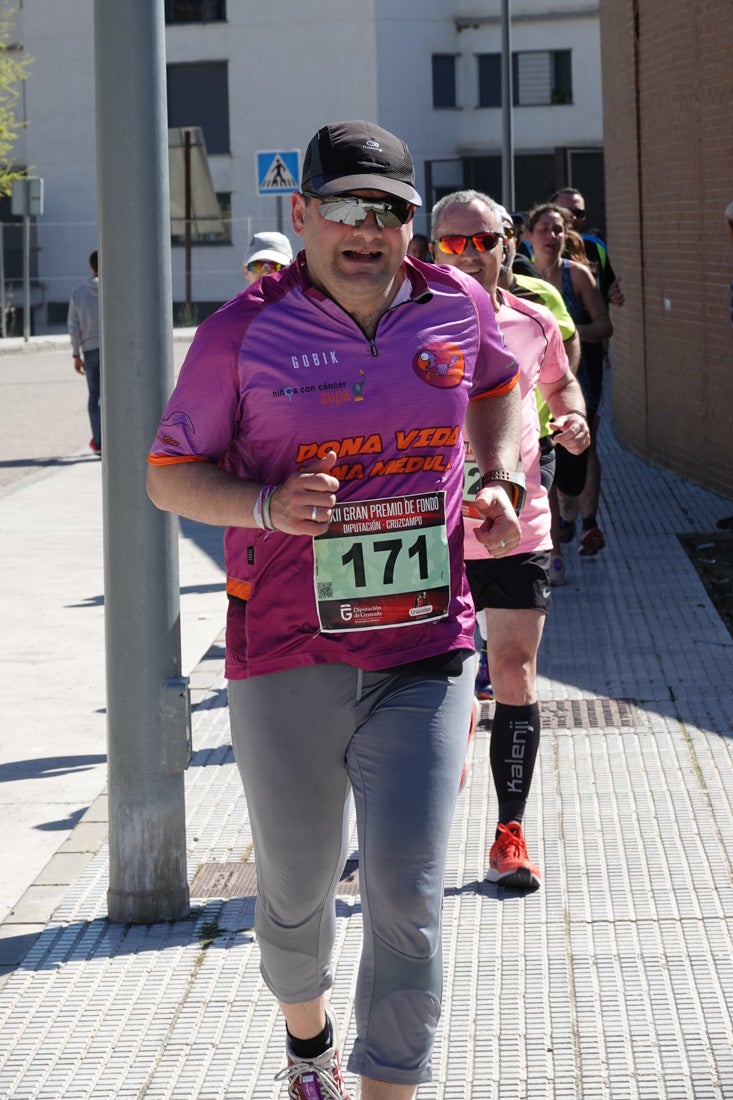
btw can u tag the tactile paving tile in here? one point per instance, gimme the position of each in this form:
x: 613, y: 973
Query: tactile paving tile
x: 614, y: 980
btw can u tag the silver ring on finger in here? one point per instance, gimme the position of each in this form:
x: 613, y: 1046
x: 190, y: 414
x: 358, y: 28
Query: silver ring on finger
x: 314, y: 513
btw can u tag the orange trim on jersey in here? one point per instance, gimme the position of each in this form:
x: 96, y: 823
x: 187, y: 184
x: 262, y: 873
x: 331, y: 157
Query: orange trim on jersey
x: 501, y: 389
x: 241, y: 589
x: 173, y: 460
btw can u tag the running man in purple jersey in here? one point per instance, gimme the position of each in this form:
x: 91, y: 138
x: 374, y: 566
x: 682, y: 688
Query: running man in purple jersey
x: 319, y: 418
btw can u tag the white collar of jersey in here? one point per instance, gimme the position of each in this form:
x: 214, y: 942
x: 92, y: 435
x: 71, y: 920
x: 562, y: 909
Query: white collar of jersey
x: 403, y: 294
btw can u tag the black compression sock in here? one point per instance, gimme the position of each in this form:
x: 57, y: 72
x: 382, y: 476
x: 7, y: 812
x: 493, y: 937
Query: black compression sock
x: 588, y: 522
x: 311, y: 1048
x: 515, y: 740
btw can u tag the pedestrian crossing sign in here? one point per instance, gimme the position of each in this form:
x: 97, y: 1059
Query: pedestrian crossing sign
x: 278, y: 172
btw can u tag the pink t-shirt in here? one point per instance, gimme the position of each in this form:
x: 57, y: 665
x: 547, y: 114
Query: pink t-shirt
x: 280, y: 375
x: 533, y: 336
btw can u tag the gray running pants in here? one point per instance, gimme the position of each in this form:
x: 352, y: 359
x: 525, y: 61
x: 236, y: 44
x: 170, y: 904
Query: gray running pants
x: 302, y: 739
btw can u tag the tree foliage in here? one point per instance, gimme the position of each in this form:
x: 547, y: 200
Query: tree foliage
x: 13, y: 71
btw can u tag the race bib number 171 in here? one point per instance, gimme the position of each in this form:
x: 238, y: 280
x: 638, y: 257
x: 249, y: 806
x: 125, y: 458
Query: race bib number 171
x: 383, y: 563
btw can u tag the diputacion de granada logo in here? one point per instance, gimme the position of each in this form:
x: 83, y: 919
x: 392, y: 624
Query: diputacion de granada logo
x: 440, y: 364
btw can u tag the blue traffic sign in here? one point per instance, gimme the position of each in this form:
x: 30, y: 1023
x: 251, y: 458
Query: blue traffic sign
x: 278, y: 172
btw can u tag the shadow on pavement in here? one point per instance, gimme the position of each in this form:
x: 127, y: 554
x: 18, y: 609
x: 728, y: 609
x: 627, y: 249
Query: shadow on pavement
x: 47, y: 767
x: 207, y: 538
x: 63, y: 823
x: 41, y: 463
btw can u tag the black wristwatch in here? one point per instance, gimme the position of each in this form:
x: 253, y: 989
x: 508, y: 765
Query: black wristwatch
x: 515, y: 481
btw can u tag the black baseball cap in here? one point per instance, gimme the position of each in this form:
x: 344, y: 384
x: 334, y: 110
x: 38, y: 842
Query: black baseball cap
x: 347, y: 155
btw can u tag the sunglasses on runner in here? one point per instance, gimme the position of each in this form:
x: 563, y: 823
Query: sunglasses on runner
x: 258, y: 266
x: 455, y: 245
x: 352, y: 210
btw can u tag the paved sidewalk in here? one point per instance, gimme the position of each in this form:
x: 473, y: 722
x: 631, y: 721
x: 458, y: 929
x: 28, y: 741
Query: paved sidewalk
x: 614, y: 980
x: 52, y: 666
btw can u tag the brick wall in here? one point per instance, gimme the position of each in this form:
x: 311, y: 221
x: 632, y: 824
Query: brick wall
x: 669, y: 176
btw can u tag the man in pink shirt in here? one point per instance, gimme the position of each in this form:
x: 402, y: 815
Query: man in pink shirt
x: 513, y: 592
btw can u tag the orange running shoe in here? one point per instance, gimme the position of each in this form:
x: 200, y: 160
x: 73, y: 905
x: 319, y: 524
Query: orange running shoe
x: 509, y: 864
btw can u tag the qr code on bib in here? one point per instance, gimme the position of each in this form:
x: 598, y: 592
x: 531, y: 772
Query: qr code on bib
x: 325, y: 590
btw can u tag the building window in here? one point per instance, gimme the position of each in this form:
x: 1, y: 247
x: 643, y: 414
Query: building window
x: 540, y: 78
x: 444, y: 80
x: 57, y: 314
x: 221, y: 234
x: 198, y: 95
x: 534, y: 176
x: 195, y: 11
x: 489, y: 79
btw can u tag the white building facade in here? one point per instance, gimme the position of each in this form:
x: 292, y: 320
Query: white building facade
x: 260, y: 77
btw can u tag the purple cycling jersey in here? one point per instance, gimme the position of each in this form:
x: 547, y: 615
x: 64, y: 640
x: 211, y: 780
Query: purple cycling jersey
x: 279, y: 376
